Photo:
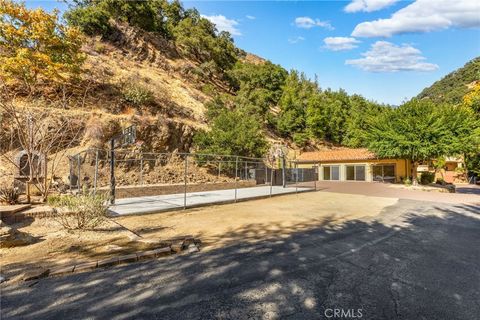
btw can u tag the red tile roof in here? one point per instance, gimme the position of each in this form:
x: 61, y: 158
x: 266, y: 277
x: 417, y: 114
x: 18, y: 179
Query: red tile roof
x: 344, y: 154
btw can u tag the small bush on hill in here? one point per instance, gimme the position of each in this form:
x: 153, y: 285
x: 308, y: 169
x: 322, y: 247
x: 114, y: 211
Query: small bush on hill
x: 301, y: 139
x: 137, y: 95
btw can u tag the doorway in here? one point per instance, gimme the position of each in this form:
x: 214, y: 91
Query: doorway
x: 384, y: 173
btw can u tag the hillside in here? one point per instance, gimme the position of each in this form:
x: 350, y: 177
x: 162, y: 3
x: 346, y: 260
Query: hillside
x: 185, y: 85
x: 455, y: 85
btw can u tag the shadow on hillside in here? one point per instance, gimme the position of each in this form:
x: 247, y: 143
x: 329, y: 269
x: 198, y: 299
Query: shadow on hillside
x: 426, y: 268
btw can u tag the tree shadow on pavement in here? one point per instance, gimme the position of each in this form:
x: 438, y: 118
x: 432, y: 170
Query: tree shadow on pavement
x: 425, y: 267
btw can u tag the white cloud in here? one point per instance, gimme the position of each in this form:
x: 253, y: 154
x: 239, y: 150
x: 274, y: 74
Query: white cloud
x: 224, y: 24
x: 385, y: 56
x: 249, y: 17
x: 423, y: 16
x: 296, y: 40
x: 307, y: 23
x: 368, y: 5
x: 340, y: 43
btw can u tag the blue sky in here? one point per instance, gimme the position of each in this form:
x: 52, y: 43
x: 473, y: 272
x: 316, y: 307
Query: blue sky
x: 386, y: 50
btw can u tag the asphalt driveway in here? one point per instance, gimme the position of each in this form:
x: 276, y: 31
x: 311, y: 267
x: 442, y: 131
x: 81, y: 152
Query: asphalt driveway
x: 466, y: 194
x: 416, y: 260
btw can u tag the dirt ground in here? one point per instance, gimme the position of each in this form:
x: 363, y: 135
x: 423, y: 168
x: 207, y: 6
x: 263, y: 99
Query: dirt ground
x: 217, y: 225
x: 214, y: 226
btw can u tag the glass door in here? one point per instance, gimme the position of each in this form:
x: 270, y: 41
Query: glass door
x: 331, y: 173
x: 355, y: 173
x: 384, y: 173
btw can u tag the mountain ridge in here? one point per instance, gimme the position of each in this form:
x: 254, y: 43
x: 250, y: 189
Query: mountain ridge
x: 453, y: 87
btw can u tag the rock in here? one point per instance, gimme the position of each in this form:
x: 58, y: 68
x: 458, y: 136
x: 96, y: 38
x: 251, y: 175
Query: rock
x: 133, y: 237
x: 177, y: 247
x: 11, y: 237
x: 113, y: 247
x: 35, y: 274
x: 2, y: 278
x: 192, y: 248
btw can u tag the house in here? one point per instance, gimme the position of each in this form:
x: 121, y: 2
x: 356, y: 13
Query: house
x: 346, y: 164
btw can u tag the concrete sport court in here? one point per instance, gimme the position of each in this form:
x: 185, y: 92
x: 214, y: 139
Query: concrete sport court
x: 152, y: 204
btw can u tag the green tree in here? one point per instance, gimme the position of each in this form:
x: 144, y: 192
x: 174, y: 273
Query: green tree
x: 293, y: 104
x: 92, y: 17
x: 327, y: 115
x: 197, y: 39
x: 419, y: 130
x: 232, y: 133
x: 360, y: 111
x: 258, y: 86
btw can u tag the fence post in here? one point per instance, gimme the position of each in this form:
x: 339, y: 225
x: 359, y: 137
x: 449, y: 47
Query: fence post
x: 266, y: 173
x: 185, y: 183
x: 141, y: 169
x: 236, y: 174
x: 284, y: 177
x: 112, y: 171
x: 79, y: 171
x: 95, y: 177
x: 272, y: 171
x: 219, y: 168
x: 70, y: 160
x: 246, y: 170
x: 296, y: 177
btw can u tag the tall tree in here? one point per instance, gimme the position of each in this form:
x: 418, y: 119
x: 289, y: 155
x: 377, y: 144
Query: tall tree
x: 233, y: 133
x: 359, y: 112
x: 419, y: 130
x: 293, y: 104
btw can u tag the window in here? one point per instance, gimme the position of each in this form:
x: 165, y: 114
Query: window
x: 360, y: 173
x: 326, y: 173
x: 331, y: 173
x: 355, y: 173
x: 335, y: 173
x: 350, y: 172
x: 384, y: 173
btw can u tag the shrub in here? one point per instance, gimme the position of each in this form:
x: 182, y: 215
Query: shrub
x: 137, y: 95
x: 100, y: 48
x: 440, y: 181
x: 301, y: 139
x: 407, y: 181
x: 9, y: 194
x: 427, y: 177
x: 84, y: 211
x: 208, y: 89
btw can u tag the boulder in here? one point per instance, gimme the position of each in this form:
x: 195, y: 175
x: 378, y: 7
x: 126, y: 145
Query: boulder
x: 11, y: 237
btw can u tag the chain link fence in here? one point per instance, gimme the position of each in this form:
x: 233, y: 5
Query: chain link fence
x: 185, y: 179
